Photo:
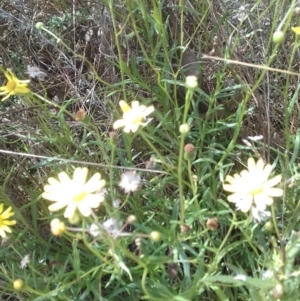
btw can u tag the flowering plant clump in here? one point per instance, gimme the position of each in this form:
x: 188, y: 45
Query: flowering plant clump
x: 75, y: 193
x: 133, y: 116
x: 252, y: 187
x: 4, y: 222
x: 13, y: 86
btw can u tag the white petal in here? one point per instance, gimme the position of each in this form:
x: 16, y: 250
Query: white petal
x: 259, y: 165
x: 244, y: 204
x: 70, y: 210
x: 229, y: 188
x: 148, y: 111
x: 274, y: 192
x: 127, y: 128
x: 134, y: 104
x: 134, y: 127
x: 79, y: 176
x: 49, y: 196
x: 261, y: 202
x: 57, y: 206
x: 272, y: 182
x: 63, y: 178
x: 230, y: 179
x: 93, y: 200
x: 263, y: 198
x: 93, y: 183
x: 119, y: 123
x: 266, y: 172
x: 244, y: 174
x: 140, y: 110
x: 251, y: 165
x: 53, y: 182
x: 84, y: 209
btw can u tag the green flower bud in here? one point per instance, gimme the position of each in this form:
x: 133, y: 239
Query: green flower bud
x: 191, y: 82
x: 39, y: 25
x: 18, y: 284
x: 184, y: 129
x: 189, y: 151
x: 278, y: 36
x: 269, y: 226
x: 155, y: 236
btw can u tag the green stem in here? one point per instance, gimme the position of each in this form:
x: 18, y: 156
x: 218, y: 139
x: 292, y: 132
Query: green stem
x: 180, y: 169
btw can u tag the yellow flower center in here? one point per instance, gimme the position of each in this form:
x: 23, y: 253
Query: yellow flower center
x: 11, y: 85
x: 137, y: 120
x: 133, y: 117
x: 256, y: 191
x: 256, y: 187
x: 79, y: 197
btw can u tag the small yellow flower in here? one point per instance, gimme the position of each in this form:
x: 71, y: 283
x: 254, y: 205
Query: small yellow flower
x: 133, y: 116
x: 4, y: 222
x: 13, y: 86
x: 252, y: 187
x: 296, y: 30
x: 76, y: 193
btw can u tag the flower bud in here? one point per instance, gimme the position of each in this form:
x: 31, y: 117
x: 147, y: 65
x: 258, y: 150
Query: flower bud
x: 155, y: 236
x: 212, y: 223
x: 189, y: 151
x: 57, y: 227
x: 18, y: 284
x: 80, y: 115
x: 185, y: 228
x: 273, y: 241
x: 138, y: 242
x: 277, y: 291
x: 172, y: 270
x: 39, y: 25
x: 113, y: 136
x: 184, y: 129
x: 268, y: 226
x: 297, y: 10
x: 131, y: 219
x: 191, y: 82
x: 278, y: 36
x: 195, y: 178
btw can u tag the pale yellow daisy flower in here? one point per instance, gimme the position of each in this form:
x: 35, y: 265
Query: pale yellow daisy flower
x: 133, y: 116
x: 13, y: 86
x: 4, y: 222
x: 76, y: 193
x: 252, y: 187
